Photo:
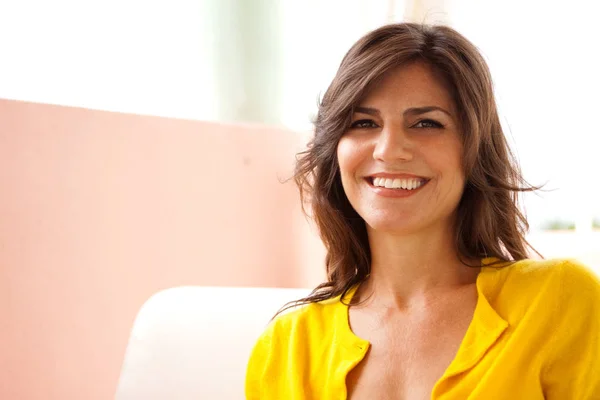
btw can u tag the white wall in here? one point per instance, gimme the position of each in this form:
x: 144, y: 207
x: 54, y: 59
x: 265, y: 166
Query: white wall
x: 134, y: 56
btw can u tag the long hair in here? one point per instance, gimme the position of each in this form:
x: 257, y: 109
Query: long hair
x: 489, y: 222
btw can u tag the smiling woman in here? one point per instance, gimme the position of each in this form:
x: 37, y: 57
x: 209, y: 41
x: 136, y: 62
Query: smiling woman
x: 430, y: 293
x: 410, y: 137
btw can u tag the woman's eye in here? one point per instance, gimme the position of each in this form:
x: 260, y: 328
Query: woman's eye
x: 363, y: 123
x: 428, y: 123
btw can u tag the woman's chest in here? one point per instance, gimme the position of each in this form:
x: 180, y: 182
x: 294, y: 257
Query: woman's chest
x: 406, y: 358
x: 407, y: 369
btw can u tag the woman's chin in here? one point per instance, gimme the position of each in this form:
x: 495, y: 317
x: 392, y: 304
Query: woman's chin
x: 393, y: 227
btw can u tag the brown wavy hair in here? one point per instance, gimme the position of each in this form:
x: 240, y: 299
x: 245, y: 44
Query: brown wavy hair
x: 489, y: 221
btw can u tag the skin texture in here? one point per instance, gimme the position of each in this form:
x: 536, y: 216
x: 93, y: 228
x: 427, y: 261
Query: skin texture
x: 419, y: 299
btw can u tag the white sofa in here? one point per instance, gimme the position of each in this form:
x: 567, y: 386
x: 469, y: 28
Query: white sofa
x: 192, y: 343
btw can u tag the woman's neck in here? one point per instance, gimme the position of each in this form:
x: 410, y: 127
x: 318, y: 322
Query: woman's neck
x: 409, y: 269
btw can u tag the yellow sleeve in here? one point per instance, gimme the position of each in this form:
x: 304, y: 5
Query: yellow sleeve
x: 573, y: 369
x: 258, y: 364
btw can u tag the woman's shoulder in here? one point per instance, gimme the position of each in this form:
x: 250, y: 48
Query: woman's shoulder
x: 313, y: 316
x: 563, y: 274
x: 549, y: 284
x: 294, y: 341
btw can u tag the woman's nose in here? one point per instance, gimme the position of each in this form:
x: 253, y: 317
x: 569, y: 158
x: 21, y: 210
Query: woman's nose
x: 393, y: 144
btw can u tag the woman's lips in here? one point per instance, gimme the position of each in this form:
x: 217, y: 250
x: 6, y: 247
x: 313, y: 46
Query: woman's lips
x: 400, y: 188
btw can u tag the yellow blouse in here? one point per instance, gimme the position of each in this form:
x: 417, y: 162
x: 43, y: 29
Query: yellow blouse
x: 535, y: 334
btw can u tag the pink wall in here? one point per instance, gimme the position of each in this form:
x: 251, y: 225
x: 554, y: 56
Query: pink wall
x: 100, y: 210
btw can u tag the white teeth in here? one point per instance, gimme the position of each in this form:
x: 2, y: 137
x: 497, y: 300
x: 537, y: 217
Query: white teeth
x: 406, y: 184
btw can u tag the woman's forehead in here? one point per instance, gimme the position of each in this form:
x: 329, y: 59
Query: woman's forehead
x: 415, y: 83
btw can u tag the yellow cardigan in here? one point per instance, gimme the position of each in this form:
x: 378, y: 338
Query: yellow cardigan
x: 535, y: 334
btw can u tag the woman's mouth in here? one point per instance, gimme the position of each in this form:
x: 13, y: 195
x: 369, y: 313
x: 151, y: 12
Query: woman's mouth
x: 397, y: 183
x: 400, y: 187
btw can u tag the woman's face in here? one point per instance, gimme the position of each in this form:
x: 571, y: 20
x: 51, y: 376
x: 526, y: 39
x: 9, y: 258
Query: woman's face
x: 400, y: 159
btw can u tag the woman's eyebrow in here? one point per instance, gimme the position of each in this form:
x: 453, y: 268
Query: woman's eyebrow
x: 423, y: 110
x: 367, y: 110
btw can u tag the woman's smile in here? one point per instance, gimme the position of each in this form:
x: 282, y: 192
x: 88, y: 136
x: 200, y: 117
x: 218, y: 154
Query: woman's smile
x: 395, y: 187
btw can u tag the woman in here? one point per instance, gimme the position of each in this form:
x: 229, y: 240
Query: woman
x: 430, y: 294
